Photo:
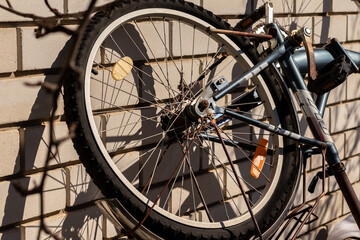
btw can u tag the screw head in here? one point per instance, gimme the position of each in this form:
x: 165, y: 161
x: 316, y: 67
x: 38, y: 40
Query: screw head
x: 307, y: 31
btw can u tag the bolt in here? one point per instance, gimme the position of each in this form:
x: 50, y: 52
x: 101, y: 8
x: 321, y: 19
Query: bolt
x: 203, y: 105
x: 307, y: 31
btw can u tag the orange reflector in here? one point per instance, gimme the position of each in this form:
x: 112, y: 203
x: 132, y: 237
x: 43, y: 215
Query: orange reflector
x: 259, y: 158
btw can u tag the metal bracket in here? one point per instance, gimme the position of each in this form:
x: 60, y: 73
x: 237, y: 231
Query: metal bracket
x: 205, y: 105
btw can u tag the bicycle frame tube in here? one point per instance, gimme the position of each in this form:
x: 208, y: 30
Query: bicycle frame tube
x: 280, y: 52
x: 294, y: 66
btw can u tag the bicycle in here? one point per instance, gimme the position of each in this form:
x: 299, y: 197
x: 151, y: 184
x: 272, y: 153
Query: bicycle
x: 192, y: 128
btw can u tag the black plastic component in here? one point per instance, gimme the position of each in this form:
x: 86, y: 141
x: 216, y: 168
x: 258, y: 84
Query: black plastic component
x: 94, y: 71
x: 316, y: 178
x: 247, y: 21
x: 331, y: 75
x: 336, y: 49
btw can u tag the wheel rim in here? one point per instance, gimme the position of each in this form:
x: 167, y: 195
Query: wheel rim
x: 128, y: 116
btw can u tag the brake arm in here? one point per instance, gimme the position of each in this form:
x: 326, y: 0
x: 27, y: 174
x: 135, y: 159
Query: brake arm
x: 305, y: 34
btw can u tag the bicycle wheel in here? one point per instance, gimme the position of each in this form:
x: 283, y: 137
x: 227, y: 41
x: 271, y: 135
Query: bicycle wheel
x: 142, y: 64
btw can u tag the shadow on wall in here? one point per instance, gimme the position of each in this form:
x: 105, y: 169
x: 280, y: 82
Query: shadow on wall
x: 16, y: 208
x: 78, y: 224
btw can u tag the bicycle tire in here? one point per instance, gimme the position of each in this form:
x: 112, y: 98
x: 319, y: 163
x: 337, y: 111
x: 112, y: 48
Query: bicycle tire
x: 93, y: 117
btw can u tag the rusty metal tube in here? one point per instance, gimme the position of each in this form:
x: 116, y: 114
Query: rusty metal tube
x: 347, y: 191
x: 238, y: 33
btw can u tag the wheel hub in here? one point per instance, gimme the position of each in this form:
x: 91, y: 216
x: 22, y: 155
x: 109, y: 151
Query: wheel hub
x: 176, y: 123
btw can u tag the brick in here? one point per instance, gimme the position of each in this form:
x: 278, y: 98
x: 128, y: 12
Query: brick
x: 53, y: 223
x: 344, y: 6
x: 74, y: 6
x: 339, y: 113
x: 234, y: 207
x: 294, y: 23
x: 11, y: 234
x: 229, y: 7
x: 352, y: 33
x: 149, y: 40
x: 9, y: 152
x: 188, y: 41
x: 33, y: 102
x: 8, y: 49
x: 82, y: 188
x: 353, y: 86
x: 312, y: 6
x: 353, y: 46
x: 249, y: 183
x: 309, y: 196
x: 333, y: 202
x: 45, y: 52
x: 352, y: 169
x: 283, y: 6
x: 338, y: 94
x: 37, y: 144
x: 163, y: 79
x: 329, y: 27
x: 230, y: 69
x: 17, y: 208
x: 29, y: 6
x: 85, y: 223
x: 108, y: 93
x: 352, y: 139
x: 209, y: 186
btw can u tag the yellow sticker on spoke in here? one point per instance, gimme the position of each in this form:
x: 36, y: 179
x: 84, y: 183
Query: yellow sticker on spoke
x: 259, y: 158
x: 122, y: 68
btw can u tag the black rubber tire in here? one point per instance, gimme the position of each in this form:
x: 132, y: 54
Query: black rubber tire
x: 105, y: 178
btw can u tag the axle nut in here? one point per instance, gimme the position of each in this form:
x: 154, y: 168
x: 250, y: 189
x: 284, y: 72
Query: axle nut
x: 203, y: 105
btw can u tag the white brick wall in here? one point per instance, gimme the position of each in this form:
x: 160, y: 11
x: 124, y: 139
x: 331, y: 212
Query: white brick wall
x: 9, y: 152
x: 29, y: 6
x: 8, y: 49
x: 36, y: 146
x: 46, y: 52
x: 33, y: 102
x: 25, y: 110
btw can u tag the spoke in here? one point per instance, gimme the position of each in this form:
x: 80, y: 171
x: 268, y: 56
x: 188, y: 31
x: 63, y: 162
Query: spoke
x: 158, y: 161
x: 158, y: 80
x: 270, y: 151
x: 238, y: 181
x: 166, y: 49
x: 181, y: 52
x: 133, y: 85
x: 262, y: 117
x: 146, y: 58
x: 197, y: 187
x: 246, y: 156
x: 192, y: 58
x: 148, y: 159
x: 135, y: 96
x: 242, y: 95
x: 153, y: 55
x: 229, y: 171
x: 127, y: 110
x: 166, y: 56
x: 170, y: 179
